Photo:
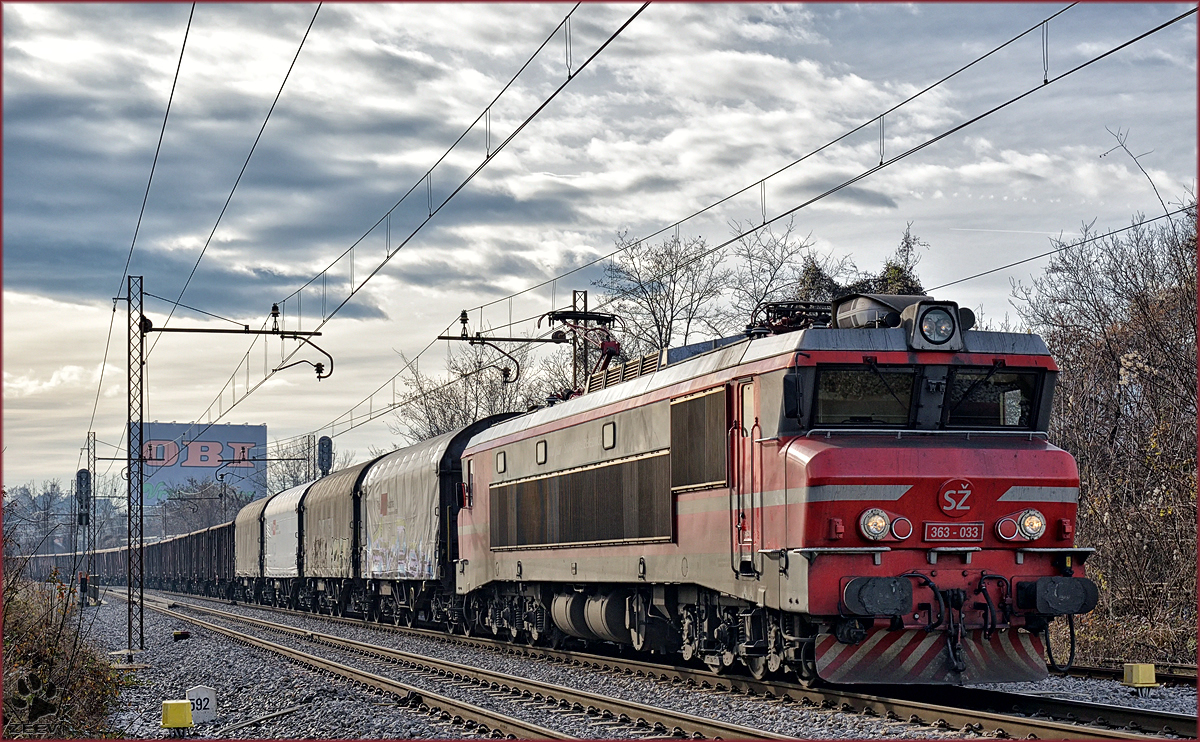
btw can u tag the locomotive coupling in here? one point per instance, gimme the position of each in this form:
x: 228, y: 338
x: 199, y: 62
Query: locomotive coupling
x: 1057, y: 596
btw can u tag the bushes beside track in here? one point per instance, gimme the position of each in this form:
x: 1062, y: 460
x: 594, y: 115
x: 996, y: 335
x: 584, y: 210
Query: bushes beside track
x: 56, y: 684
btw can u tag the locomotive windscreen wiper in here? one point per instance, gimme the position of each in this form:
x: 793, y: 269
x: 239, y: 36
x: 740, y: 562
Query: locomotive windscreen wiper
x: 996, y: 366
x: 875, y: 367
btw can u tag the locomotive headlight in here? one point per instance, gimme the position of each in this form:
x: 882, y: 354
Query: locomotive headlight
x: 937, y: 325
x: 874, y: 524
x: 1032, y: 524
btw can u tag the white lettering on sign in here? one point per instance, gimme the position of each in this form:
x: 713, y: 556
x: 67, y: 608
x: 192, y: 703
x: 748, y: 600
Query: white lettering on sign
x: 952, y: 503
x: 204, y: 703
x: 954, y: 496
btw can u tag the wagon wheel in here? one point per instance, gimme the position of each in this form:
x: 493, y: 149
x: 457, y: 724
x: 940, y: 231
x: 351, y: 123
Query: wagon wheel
x: 405, y: 616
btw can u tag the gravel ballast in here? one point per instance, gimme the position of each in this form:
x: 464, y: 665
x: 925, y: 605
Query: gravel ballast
x: 250, y: 683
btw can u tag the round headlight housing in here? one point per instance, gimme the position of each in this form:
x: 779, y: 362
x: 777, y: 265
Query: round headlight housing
x: 874, y: 524
x: 937, y: 325
x: 1031, y: 524
x: 1006, y: 528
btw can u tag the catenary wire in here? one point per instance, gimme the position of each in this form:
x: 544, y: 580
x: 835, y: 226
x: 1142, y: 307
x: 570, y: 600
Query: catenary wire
x: 913, y: 150
x: 232, y: 190
x: 478, y: 169
x: 1059, y: 249
x: 726, y: 198
x: 444, y: 155
x: 783, y: 169
x: 240, y: 174
x: 609, y: 300
x: 436, y: 211
x: 194, y: 309
x: 486, y: 112
x: 141, y: 213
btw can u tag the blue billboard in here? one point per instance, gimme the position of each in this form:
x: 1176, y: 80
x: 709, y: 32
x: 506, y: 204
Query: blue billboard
x: 174, y: 453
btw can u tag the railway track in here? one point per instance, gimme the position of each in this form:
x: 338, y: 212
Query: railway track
x: 982, y: 711
x: 470, y: 717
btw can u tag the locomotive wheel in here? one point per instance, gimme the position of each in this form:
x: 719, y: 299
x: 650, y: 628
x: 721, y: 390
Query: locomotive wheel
x: 757, y: 666
x: 774, y: 645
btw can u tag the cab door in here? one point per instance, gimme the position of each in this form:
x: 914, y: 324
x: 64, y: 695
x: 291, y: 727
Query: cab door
x: 746, y: 489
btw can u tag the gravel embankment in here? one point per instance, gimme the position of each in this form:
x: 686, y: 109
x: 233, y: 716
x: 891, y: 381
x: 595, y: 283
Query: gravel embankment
x: 1175, y: 699
x: 250, y: 683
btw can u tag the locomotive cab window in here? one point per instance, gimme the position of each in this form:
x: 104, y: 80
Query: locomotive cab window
x: 501, y: 462
x: 540, y: 452
x: 864, y: 395
x: 991, y: 398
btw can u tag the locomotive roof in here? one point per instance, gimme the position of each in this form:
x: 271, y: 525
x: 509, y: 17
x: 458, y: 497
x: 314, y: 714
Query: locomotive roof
x: 735, y: 352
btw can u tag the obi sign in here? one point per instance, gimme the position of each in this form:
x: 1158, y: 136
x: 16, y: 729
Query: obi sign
x: 174, y: 453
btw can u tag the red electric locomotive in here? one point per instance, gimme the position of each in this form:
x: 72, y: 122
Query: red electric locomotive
x: 859, y: 491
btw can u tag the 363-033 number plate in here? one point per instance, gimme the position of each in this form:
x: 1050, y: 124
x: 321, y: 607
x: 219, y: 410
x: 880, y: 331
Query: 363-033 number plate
x: 953, y: 531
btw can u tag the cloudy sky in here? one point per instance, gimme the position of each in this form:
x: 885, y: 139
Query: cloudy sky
x: 688, y: 105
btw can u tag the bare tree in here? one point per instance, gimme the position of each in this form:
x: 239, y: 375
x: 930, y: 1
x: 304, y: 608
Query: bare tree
x: 770, y: 264
x: 201, y: 503
x: 1119, y: 314
x: 666, y: 292
x: 37, y: 518
x: 474, y: 387
x: 291, y: 463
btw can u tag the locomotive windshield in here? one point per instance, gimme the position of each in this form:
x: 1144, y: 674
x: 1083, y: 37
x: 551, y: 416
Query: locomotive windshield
x: 988, y: 398
x: 864, y: 396
x: 919, y: 397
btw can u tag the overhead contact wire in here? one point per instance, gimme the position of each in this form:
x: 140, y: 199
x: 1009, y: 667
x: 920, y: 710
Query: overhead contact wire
x: 450, y: 197
x: 141, y: 212
x: 847, y: 183
x: 917, y: 148
x: 790, y: 165
x: 240, y: 173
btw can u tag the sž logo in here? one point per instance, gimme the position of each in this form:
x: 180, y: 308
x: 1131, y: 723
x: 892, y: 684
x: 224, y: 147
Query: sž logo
x: 954, y: 497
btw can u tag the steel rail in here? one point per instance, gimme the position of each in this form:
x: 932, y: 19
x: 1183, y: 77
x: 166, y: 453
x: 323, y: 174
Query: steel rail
x: 451, y: 709
x: 666, y: 721
x: 1085, y: 720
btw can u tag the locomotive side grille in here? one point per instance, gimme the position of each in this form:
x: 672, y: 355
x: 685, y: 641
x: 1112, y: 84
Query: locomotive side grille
x: 698, y: 436
x: 636, y: 367
x: 626, y: 500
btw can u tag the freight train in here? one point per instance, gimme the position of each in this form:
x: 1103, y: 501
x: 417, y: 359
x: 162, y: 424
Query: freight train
x: 859, y: 491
